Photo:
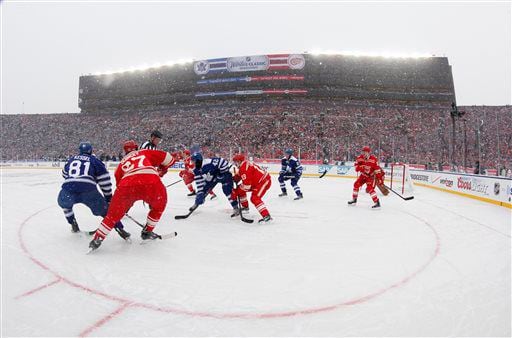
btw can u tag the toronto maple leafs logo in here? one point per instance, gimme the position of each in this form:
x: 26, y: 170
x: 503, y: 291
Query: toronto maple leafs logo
x: 201, y: 67
x: 208, y: 177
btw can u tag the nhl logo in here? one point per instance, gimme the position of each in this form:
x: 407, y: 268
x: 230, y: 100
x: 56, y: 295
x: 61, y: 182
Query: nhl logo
x: 201, y: 67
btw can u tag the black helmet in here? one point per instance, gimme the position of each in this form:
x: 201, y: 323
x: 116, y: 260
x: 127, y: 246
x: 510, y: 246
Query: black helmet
x: 156, y: 133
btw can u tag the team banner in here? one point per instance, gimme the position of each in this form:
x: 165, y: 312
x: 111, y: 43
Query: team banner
x: 253, y: 79
x: 253, y: 92
x: 250, y: 63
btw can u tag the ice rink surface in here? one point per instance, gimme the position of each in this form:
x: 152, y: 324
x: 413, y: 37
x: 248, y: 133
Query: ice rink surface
x: 438, y: 265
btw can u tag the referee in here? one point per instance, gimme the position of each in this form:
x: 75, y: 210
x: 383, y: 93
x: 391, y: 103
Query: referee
x: 154, y: 140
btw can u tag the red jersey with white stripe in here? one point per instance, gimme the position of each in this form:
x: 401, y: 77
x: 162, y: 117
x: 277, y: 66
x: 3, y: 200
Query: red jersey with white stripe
x: 189, y: 164
x: 366, y: 166
x: 142, y: 163
x: 252, y: 175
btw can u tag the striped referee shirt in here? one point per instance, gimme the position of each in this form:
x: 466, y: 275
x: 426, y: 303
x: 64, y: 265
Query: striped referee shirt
x: 148, y: 145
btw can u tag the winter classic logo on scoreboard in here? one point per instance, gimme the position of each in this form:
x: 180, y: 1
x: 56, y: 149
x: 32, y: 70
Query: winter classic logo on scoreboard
x: 201, y: 67
x: 248, y: 63
x: 296, y: 61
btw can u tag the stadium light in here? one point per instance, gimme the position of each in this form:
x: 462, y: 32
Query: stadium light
x: 146, y: 66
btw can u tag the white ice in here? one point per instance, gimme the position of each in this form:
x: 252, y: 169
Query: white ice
x: 438, y: 265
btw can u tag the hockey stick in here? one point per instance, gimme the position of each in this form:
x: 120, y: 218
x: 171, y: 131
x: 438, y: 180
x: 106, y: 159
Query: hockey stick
x: 165, y: 236
x: 321, y: 175
x: 404, y: 198
x: 191, y: 210
x: 173, y: 183
x: 246, y: 220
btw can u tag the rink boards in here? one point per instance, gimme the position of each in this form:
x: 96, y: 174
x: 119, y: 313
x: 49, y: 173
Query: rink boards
x: 490, y: 189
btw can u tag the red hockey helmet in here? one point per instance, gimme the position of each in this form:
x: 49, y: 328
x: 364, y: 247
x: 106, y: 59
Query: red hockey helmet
x: 366, y: 149
x: 238, y: 158
x: 130, y: 145
x: 187, y: 152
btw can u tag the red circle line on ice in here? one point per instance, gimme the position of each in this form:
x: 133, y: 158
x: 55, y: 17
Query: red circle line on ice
x: 127, y: 303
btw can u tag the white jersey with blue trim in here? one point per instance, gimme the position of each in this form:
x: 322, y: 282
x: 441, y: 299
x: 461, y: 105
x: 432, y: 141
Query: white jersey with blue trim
x: 291, y: 165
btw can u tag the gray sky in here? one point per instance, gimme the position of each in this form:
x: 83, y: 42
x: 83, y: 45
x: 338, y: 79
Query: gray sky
x: 47, y: 46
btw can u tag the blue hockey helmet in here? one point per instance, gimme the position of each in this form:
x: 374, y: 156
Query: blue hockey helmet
x: 85, y: 148
x: 197, y: 156
x: 288, y: 151
x: 198, y: 159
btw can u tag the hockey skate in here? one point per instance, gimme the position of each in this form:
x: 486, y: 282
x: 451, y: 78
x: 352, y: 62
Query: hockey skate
x: 193, y: 193
x: 376, y: 205
x: 124, y: 234
x: 265, y: 220
x: 148, y: 235
x: 236, y: 212
x: 299, y: 197
x: 245, y: 210
x: 95, y: 244
x: 352, y: 202
x: 74, y: 227
x: 283, y: 194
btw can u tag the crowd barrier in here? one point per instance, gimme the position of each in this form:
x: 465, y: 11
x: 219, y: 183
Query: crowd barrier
x: 491, y: 189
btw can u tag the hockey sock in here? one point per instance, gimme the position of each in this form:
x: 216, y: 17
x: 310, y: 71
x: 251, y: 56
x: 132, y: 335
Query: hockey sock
x: 374, y: 196
x: 70, y: 215
x: 262, y: 209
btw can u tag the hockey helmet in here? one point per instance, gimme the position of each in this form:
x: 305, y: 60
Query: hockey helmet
x: 239, y: 158
x: 186, y: 152
x: 156, y: 133
x: 85, y: 148
x: 288, y: 152
x: 129, y: 146
x: 198, y: 159
x: 366, y: 149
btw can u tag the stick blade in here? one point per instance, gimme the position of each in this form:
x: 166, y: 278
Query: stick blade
x: 323, y: 174
x: 170, y: 235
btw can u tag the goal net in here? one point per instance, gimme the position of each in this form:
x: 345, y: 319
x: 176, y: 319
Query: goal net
x: 400, y: 179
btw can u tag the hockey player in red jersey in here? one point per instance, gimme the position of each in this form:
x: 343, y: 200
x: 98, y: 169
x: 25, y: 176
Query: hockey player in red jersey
x: 254, y: 179
x: 187, y: 174
x: 137, y: 178
x: 368, y: 168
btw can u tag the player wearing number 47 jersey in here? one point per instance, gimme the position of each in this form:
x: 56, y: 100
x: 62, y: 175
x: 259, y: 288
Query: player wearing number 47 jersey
x: 137, y: 178
x: 81, y: 175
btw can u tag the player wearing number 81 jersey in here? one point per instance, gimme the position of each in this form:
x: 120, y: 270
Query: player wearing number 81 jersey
x: 137, y: 178
x: 82, y: 173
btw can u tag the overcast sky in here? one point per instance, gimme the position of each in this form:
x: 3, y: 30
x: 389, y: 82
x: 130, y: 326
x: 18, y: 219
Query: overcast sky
x: 47, y: 46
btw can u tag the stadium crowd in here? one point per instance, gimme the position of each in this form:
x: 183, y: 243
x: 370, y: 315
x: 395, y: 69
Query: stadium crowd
x: 316, y: 130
